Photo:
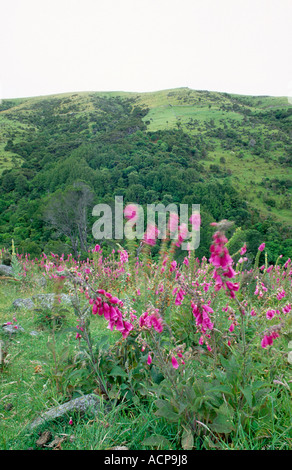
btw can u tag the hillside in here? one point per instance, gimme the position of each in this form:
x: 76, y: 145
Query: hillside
x: 229, y: 153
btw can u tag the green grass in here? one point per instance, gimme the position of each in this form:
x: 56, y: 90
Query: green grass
x: 28, y: 387
x: 27, y: 384
x: 247, y: 174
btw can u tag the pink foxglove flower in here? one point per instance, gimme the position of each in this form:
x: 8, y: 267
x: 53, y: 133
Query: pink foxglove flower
x: 182, y: 234
x: 151, y: 234
x: 262, y: 247
x: 222, y: 261
x: 173, y: 222
x: 149, y: 360
x: 286, y: 308
x: 154, y: 320
x: 268, y: 339
x: 174, y: 362
x: 281, y: 294
x: 195, y: 220
x: 131, y: 212
x: 270, y: 314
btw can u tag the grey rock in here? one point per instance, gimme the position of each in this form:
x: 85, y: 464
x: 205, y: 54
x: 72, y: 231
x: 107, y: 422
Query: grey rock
x: 6, y: 270
x: 44, y: 439
x: 48, y: 300
x: 87, y: 403
x: 40, y: 281
x: 12, y: 329
x: 24, y: 303
x: 119, y: 448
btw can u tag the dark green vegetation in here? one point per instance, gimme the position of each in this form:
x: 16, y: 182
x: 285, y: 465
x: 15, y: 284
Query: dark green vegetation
x: 231, y: 154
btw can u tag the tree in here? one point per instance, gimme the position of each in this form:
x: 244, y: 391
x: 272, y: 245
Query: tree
x: 67, y: 212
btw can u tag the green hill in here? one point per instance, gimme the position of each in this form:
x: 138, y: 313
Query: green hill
x: 229, y: 153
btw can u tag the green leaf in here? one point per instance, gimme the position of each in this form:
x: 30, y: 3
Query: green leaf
x: 165, y: 410
x: 104, y: 340
x: 187, y: 440
x: 156, y: 441
x: 51, y: 347
x: 71, y: 329
x: 247, y: 392
x: 223, y: 422
x: 117, y: 371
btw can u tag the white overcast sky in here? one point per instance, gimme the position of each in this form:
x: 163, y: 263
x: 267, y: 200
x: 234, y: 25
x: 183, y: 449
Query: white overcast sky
x: 56, y: 46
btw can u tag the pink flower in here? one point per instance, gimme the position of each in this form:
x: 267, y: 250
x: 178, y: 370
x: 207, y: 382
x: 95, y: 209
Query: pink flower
x: 174, y: 362
x: 149, y: 360
x: 270, y: 314
x: 281, y: 294
x: 131, y: 212
x: 262, y: 247
x: 173, y: 222
x: 179, y: 297
x: 222, y: 261
x: 182, y: 234
x: 286, y: 308
x: 195, y: 220
x: 186, y: 261
x: 243, y: 249
x: 124, y: 256
x: 173, y: 266
x: 268, y: 339
x: 147, y: 321
x: 151, y: 234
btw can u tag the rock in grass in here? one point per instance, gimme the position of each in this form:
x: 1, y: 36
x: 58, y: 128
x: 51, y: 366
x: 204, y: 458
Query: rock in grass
x: 48, y: 300
x: 24, y: 303
x: 12, y: 329
x: 40, y: 281
x: 34, y: 333
x: 86, y: 404
x: 6, y: 270
x: 44, y: 438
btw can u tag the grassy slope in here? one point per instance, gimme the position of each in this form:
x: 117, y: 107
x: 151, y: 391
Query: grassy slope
x: 195, y: 112
x: 173, y: 107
